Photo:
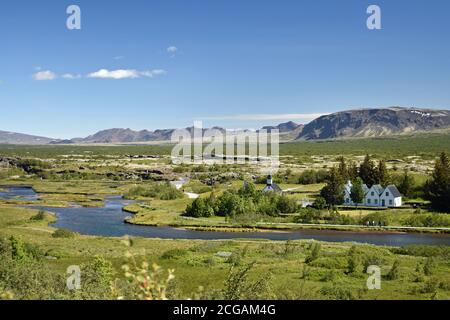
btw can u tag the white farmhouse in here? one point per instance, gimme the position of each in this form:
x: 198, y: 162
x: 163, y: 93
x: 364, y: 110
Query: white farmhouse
x: 376, y: 196
x: 391, y: 197
x: 372, y: 198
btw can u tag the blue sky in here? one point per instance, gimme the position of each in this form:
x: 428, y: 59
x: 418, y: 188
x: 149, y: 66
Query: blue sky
x: 237, y: 63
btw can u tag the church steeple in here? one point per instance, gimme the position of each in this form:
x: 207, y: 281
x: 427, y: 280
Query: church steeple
x: 269, y: 180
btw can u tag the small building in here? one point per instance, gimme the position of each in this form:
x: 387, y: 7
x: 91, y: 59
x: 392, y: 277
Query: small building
x: 391, y: 197
x: 376, y: 196
x: 372, y: 198
x: 271, y: 186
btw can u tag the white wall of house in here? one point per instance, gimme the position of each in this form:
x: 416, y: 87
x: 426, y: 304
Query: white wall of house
x: 372, y: 198
x: 387, y: 199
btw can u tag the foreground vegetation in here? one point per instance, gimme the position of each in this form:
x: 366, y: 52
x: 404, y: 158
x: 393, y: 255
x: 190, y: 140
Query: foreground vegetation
x: 33, y: 265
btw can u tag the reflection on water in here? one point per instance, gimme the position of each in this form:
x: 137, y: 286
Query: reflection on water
x: 109, y: 221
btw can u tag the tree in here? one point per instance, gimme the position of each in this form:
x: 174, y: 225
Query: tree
x: 353, y: 171
x: 342, y: 169
x: 320, y: 203
x: 18, y: 251
x: 357, y: 192
x: 333, y: 191
x: 406, y: 185
x: 96, y: 280
x: 199, y: 208
x: 437, y: 190
x: 368, y: 172
x: 382, y: 173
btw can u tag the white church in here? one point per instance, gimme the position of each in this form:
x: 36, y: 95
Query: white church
x: 376, y: 196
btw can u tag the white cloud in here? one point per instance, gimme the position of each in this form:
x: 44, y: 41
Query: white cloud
x: 44, y: 75
x: 172, y: 50
x: 114, y: 74
x: 71, y: 76
x: 267, y: 117
x: 119, y: 57
x: 125, y: 74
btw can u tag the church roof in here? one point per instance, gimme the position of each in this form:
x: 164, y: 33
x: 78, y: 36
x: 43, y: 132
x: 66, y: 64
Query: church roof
x: 272, y: 188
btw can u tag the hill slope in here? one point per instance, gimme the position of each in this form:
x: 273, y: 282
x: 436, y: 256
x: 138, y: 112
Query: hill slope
x: 7, y: 137
x: 375, y: 123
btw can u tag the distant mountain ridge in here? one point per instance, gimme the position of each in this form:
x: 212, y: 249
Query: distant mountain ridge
x: 7, y: 137
x: 375, y: 123
x: 345, y: 124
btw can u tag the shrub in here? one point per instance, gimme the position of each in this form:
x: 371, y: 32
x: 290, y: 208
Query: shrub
x: 199, y: 208
x: 380, y: 218
x: 237, y: 286
x: 96, y: 280
x: 312, y: 176
x: 429, y: 266
x: 428, y: 220
x: 394, y: 272
x: 158, y: 190
x: 338, y: 293
x: 314, y: 252
x: 320, y: 203
x: 173, y: 254
x: 330, y: 263
x: 63, y: 233
x: 423, y: 251
x: 39, y: 216
x: 430, y: 286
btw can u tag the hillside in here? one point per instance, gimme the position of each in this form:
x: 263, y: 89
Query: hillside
x: 375, y: 123
x: 7, y: 137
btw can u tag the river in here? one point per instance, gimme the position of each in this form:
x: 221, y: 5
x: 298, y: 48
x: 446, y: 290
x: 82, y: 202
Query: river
x: 108, y: 221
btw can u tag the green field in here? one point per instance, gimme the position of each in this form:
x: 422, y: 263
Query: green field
x: 427, y: 145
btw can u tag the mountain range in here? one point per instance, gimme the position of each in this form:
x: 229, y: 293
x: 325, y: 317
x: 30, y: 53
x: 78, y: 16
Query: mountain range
x: 345, y: 124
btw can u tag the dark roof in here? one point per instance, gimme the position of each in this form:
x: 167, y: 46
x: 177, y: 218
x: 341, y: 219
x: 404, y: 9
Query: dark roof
x: 393, y: 189
x: 378, y: 188
x: 273, y: 187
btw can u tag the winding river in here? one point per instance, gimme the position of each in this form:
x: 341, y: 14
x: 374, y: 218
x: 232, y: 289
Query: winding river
x: 109, y: 221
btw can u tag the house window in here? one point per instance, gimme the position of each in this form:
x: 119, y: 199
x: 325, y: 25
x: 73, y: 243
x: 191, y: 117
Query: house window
x: 390, y: 202
x: 368, y: 201
x: 347, y: 200
x: 376, y: 201
x: 387, y: 194
x: 372, y: 193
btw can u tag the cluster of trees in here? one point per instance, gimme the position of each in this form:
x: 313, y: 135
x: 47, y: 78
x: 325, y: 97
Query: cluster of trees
x: 243, y: 201
x: 437, y: 189
x: 368, y: 172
